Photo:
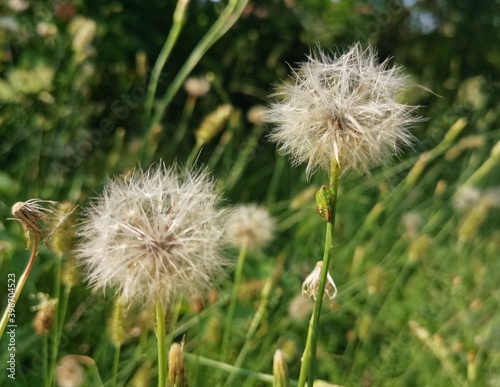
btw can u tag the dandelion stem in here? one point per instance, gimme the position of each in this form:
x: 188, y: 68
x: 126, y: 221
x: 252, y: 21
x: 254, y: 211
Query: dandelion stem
x: 12, y: 302
x: 232, y: 303
x: 162, y: 348
x: 179, y: 18
x: 309, y: 357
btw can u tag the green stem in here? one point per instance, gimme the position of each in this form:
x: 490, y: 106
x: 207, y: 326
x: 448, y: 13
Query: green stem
x: 184, y: 121
x: 306, y: 357
x: 229, y: 368
x: 116, y: 360
x: 46, y: 360
x: 232, y: 303
x: 309, y: 360
x: 8, y: 311
x: 162, y: 348
x: 58, y: 331
x: 179, y: 18
x: 244, y: 157
x: 258, y: 317
x: 193, y: 155
x: 227, y: 18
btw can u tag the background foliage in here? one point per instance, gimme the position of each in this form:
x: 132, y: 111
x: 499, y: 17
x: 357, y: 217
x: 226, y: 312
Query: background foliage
x: 417, y: 268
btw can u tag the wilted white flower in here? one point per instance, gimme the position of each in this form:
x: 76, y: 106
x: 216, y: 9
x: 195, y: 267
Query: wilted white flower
x: 30, y: 213
x: 249, y: 226
x: 311, y: 284
x: 342, y: 108
x: 154, y: 235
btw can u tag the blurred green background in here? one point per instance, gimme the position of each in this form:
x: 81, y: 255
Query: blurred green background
x: 415, y: 256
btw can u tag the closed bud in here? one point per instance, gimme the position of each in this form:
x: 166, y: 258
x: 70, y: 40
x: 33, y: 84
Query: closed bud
x: 280, y: 370
x: 177, y: 376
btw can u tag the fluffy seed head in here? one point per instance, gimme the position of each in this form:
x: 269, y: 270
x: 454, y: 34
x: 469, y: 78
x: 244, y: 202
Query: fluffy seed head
x: 154, y: 235
x: 249, y: 226
x: 341, y: 108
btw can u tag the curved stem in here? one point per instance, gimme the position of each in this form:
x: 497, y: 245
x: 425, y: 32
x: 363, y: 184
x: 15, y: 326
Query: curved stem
x: 12, y: 303
x: 162, y: 349
x: 178, y: 22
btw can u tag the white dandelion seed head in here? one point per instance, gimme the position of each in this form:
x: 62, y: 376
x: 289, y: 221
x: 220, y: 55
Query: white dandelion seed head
x: 343, y: 108
x: 154, y: 235
x: 249, y: 226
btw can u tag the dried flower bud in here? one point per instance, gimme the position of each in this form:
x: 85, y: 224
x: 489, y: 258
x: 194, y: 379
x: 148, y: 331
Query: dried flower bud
x: 197, y: 87
x: 29, y: 214
x: 212, y: 124
x: 196, y: 303
x: 311, y: 284
x: 44, y: 318
x: 280, y: 370
x: 69, y: 372
x: 177, y: 376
